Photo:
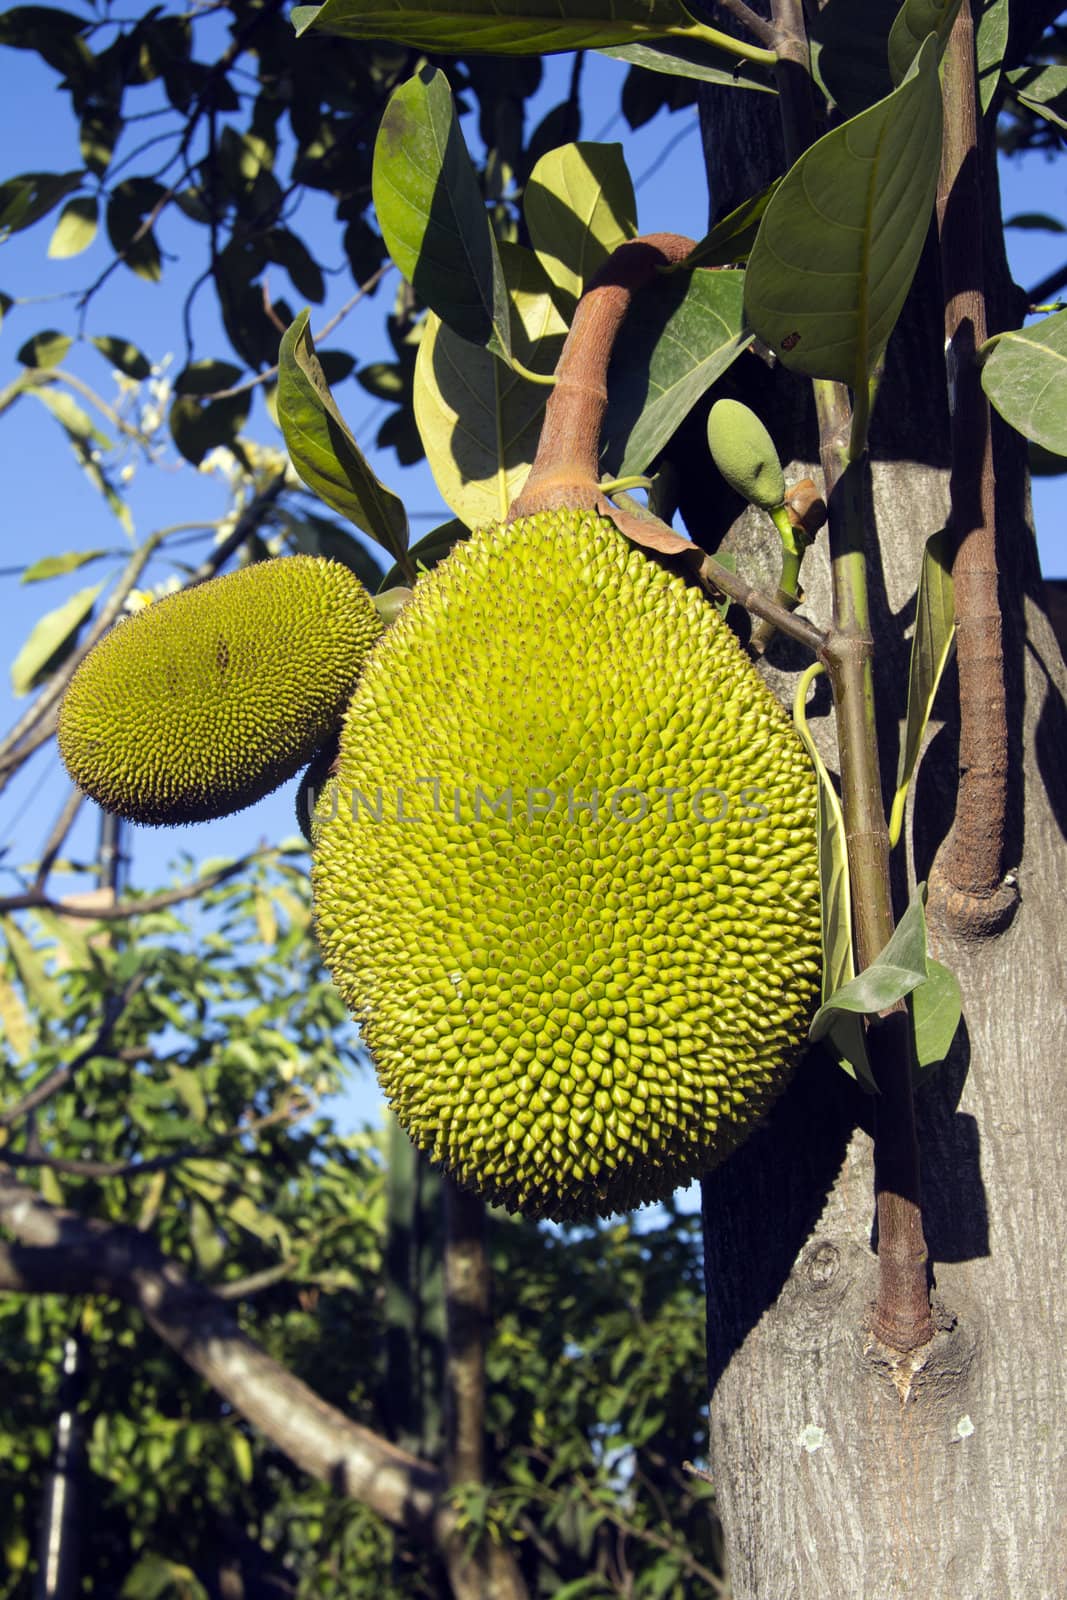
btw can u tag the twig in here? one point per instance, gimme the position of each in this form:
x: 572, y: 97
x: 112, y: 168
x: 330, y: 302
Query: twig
x: 758, y: 26
x: 57, y: 838
x: 34, y: 900
x: 327, y: 328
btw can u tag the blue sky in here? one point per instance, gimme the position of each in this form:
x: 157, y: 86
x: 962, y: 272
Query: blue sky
x: 48, y: 506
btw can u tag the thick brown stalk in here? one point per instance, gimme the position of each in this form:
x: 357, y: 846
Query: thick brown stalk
x: 478, y: 1568
x: 566, y: 469
x: 967, y: 882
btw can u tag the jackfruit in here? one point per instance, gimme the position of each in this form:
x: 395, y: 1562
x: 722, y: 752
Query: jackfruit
x: 207, y: 699
x: 744, y: 453
x: 567, y: 875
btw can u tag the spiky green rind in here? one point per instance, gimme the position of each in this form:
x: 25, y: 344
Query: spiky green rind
x: 208, y: 699
x: 573, y: 1013
x: 744, y: 453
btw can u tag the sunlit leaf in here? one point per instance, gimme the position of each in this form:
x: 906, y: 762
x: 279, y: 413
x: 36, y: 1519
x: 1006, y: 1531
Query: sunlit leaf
x: 1025, y: 377
x: 45, y: 349
x: 76, y: 228
x: 936, y: 1007
x: 125, y: 356
x: 841, y: 238
x: 57, y: 566
x: 51, y: 638
x: 479, y: 421
x: 432, y: 214
x: 579, y: 206
x: 731, y: 239
x: 501, y: 27
x: 990, y: 43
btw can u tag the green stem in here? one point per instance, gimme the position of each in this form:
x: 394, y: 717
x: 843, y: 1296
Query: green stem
x: 721, y: 41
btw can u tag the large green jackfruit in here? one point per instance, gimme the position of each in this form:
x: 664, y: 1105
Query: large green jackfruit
x: 567, y: 876
x: 206, y: 700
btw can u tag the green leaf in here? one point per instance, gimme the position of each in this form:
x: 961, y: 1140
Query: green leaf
x: 430, y: 549
x: 198, y: 426
x: 127, y: 358
x: 1024, y: 374
x: 45, y: 349
x: 990, y: 44
x: 40, y: 988
x: 899, y: 970
x: 480, y: 421
x: 838, y: 962
x: 76, y: 228
x: 731, y: 239
x: 241, y: 1450
x: 579, y: 206
x: 841, y: 238
x: 318, y: 536
x: 849, y: 52
x: 324, y: 452
x: 936, y: 1007
x: 51, y: 638
x: 914, y: 21
x: 206, y: 378
x: 682, y: 333
x: 432, y: 215
x: 57, y: 566
x: 29, y: 197
x: 500, y: 27
x: 75, y: 422
x: 190, y: 1092
x: 697, y: 60
x: 931, y: 646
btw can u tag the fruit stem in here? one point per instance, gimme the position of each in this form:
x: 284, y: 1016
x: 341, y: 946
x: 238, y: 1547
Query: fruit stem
x: 566, y: 469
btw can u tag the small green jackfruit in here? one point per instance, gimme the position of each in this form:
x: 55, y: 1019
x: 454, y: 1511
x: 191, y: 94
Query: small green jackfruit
x: 567, y: 875
x: 207, y: 699
x: 744, y: 453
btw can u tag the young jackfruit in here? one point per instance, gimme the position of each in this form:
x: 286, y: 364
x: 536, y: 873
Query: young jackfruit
x: 744, y: 453
x: 208, y: 699
x: 567, y: 875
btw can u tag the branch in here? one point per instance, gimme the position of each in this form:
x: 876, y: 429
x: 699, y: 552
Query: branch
x: 758, y: 26
x: 59, y: 1252
x: 35, y: 900
x: 56, y: 839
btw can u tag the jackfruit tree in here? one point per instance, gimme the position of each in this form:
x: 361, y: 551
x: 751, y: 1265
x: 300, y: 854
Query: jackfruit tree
x: 613, y: 903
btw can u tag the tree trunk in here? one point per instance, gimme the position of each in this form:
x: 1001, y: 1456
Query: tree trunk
x: 841, y: 1469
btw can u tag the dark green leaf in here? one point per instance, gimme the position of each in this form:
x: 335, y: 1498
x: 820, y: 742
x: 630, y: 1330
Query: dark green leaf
x: 29, y: 197
x: 125, y: 356
x: 841, y: 238
x: 45, y: 349
x: 51, y: 639
x: 310, y: 535
x: 731, y: 239
x: 1035, y: 222
x: 432, y: 215
x: 199, y: 426
x: 931, y: 646
x: 76, y: 228
x: 430, y: 549
x: 990, y: 43
x: 323, y: 450
x: 1025, y: 376
x: 849, y: 49
x: 501, y: 27
x: 914, y: 20
x: 900, y: 968
x: 683, y: 333
x: 204, y: 378
x: 130, y: 213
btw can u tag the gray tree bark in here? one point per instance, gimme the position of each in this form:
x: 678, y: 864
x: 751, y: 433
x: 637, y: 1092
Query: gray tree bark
x: 842, y: 1469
